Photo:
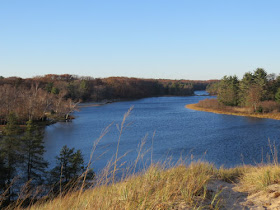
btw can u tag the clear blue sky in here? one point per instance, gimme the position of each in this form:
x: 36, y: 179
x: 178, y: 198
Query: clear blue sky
x: 175, y: 39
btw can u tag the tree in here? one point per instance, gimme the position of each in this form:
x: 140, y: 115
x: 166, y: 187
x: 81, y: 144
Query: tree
x: 77, y: 165
x: 277, y: 96
x: 32, y: 152
x: 213, y: 88
x: 55, y: 90
x: 260, y: 77
x: 254, y: 96
x: 84, y: 90
x: 10, y: 150
x: 228, y: 91
x: 70, y: 165
x: 260, y: 80
x: 253, y: 88
x: 49, y: 87
x: 245, y: 85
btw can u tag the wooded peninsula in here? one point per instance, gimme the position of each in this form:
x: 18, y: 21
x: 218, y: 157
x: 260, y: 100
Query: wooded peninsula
x: 257, y: 94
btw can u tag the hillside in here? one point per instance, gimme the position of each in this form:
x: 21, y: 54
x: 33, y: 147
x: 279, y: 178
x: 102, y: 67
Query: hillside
x: 198, y: 185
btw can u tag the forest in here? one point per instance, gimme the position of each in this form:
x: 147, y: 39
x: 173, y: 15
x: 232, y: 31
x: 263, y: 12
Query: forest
x: 53, y: 97
x: 257, y: 92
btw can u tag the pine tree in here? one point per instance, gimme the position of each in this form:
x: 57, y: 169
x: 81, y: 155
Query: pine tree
x: 10, y: 150
x: 228, y: 91
x: 32, y: 152
x: 70, y: 166
x: 77, y: 164
x: 277, y: 96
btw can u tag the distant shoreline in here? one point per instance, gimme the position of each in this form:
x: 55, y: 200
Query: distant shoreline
x: 274, y: 116
x: 105, y: 102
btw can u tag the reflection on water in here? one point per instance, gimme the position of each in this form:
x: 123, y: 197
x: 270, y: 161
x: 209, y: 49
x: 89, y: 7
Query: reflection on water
x: 227, y: 140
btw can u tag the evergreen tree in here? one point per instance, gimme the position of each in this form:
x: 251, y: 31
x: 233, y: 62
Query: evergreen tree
x: 260, y: 79
x: 77, y: 164
x: 253, y: 88
x: 245, y: 85
x: 70, y: 165
x: 277, y: 96
x: 63, y: 167
x: 10, y: 150
x: 84, y: 90
x: 228, y: 91
x: 33, y: 151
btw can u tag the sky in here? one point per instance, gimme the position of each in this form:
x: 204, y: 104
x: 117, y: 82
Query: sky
x: 172, y: 39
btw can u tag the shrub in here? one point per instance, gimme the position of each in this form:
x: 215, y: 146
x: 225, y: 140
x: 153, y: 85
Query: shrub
x: 269, y: 106
x: 210, y: 103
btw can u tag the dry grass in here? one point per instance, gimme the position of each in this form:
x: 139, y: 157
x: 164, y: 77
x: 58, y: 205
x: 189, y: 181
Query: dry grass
x: 235, y: 111
x: 157, y: 188
x: 231, y: 175
x: 260, y: 177
x: 162, y: 188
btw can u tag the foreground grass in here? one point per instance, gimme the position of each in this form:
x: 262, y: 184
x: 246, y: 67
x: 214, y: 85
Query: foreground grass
x: 157, y: 188
x: 160, y: 188
x: 236, y: 111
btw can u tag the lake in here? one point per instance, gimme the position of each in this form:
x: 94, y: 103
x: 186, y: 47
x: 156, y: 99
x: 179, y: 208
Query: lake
x: 179, y: 133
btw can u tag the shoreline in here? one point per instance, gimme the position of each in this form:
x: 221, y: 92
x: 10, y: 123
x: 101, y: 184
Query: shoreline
x: 273, y: 116
x: 105, y: 102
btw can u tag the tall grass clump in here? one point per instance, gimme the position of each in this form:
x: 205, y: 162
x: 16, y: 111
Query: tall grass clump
x: 259, y: 177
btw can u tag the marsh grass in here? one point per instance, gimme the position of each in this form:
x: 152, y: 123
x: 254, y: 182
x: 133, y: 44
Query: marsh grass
x: 212, y: 105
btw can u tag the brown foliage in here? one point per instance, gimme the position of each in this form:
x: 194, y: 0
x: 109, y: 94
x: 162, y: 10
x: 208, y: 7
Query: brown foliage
x: 31, y: 102
x: 269, y: 106
x: 211, y: 103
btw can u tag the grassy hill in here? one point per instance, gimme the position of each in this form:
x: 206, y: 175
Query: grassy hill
x: 195, y: 186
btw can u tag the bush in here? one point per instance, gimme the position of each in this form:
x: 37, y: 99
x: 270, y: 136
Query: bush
x: 210, y: 103
x: 268, y: 106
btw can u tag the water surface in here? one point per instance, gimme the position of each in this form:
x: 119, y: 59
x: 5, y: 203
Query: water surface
x: 221, y: 139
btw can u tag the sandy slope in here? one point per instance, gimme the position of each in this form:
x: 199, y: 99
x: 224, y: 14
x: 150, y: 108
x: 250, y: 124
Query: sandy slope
x: 232, y: 197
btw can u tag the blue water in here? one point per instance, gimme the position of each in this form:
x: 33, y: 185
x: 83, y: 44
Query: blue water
x: 179, y: 133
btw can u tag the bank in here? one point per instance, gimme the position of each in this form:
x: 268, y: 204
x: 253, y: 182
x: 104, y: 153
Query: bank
x: 274, y: 116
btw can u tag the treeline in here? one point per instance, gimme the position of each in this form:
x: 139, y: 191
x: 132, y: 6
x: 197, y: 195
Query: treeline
x: 55, y: 96
x: 258, y: 91
x: 23, y: 171
x: 30, y: 100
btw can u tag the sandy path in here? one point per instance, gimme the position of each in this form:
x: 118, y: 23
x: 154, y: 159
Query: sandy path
x: 231, y: 197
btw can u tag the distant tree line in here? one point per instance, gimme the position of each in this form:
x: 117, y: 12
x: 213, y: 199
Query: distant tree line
x: 55, y: 96
x: 258, y: 91
x: 23, y: 169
